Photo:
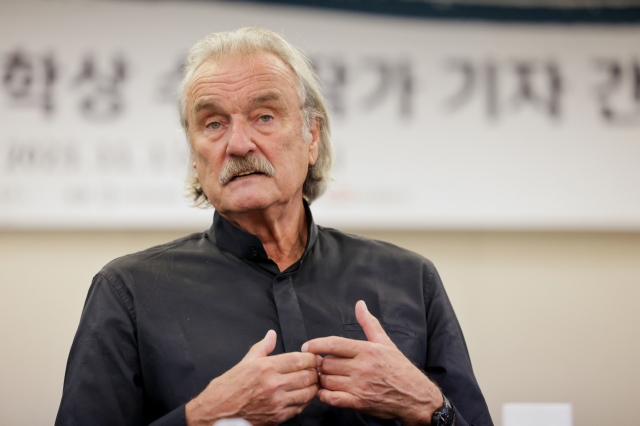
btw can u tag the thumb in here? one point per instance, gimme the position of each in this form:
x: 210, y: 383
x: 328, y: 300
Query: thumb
x: 263, y: 348
x: 371, y: 326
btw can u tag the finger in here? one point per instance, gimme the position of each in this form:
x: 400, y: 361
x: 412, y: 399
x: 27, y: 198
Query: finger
x: 338, y: 399
x: 370, y: 324
x: 293, y: 361
x: 335, y: 383
x: 336, y: 366
x: 301, y: 396
x: 299, y: 379
x: 263, y: 348
x: 286, y: 413
x: 333, y: 345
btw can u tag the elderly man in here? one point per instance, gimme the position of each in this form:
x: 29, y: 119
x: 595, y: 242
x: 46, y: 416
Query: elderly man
x: 349, y: 331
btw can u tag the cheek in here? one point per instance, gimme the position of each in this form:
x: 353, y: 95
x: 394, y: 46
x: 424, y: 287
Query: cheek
x: 205, y: 159
x: 297, y: 164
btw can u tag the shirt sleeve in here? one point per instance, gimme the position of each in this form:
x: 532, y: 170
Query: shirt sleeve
x: 103, y: 384
x: 447, y: 360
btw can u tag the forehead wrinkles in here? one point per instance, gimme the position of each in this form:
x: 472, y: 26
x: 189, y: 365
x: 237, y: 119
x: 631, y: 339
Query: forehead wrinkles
x: 237, y: 78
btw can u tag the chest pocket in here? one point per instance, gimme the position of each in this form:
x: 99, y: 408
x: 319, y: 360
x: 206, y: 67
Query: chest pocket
x: 403, y: 337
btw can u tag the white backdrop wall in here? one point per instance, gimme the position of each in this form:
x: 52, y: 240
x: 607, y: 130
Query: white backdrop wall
x: 436, y: 124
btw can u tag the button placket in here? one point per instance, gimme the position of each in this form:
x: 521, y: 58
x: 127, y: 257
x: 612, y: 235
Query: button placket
x: 294, y: 333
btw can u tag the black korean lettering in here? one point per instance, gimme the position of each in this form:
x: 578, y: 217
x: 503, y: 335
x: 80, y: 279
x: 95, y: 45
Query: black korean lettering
x: 535, y: 83
x: 392, y: 77
x: 618, y: 95
x: 546, y: 95
x: 469, y: 80
x: 493, y: 97
x: 40, y: 157
x: 476, y: 78
x: 28, y: 80
x: 101, y: 88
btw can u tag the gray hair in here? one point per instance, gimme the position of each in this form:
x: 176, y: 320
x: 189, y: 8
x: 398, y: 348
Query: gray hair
x: 245, y: 42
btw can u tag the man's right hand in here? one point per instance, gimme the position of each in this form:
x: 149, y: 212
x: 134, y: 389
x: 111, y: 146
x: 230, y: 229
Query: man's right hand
x: 263, y: 390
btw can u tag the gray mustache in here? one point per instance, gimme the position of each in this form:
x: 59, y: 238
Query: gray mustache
x: 249, y: 163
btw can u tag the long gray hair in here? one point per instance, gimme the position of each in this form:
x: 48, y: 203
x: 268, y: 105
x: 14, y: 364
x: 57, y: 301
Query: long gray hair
x: 245, y: 42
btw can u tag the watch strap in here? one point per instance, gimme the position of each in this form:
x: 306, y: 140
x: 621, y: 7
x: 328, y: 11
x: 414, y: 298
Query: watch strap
x: 445, y: 415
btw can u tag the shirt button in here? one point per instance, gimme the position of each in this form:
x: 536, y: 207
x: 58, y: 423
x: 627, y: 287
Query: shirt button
x: 254, y: 252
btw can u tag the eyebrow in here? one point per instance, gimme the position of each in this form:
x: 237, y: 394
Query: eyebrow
x: 208, y: 105
x: 267, y: 97
x: 261, y: 99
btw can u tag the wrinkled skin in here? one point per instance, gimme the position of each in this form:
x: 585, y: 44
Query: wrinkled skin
x: 249, y: 106
x: 373, y: 377
x: 263, y: 390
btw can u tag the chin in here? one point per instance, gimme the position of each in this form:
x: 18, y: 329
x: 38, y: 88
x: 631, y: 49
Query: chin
x: 247, y: 204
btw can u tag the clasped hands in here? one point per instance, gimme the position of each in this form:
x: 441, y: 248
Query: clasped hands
x: 372, y: 376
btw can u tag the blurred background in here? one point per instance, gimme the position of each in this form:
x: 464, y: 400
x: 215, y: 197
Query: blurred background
x: 498, y: 138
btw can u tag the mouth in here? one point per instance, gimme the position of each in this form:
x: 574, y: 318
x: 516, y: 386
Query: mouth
x: 243, y: 167
x: 246, y: 174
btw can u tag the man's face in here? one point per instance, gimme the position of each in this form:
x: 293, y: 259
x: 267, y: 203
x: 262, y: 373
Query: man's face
x: 249, y: 106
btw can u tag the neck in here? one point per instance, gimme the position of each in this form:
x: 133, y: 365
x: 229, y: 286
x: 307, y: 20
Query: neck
x: 282, y: 230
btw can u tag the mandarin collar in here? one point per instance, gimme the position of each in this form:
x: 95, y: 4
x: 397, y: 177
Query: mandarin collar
x: 245, y: 245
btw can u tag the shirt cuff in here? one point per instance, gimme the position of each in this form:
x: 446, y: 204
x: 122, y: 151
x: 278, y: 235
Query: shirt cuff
x: 172, y: 418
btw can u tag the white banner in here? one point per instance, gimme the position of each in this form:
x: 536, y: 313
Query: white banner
x: 436, y: 124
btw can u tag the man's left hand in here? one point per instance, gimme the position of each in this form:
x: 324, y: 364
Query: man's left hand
x: 373, y: 377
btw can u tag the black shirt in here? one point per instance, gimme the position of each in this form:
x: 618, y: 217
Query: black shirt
x: 159, y: 325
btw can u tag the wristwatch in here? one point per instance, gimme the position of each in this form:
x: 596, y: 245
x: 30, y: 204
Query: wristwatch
x: 444, y: 416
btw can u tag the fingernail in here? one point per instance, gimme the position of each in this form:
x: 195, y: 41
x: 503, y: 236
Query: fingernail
x: 365, y: 305
x: 305, y: 347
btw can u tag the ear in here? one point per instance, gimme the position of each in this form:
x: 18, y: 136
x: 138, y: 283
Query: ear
x: 194, y: 164
x: 314, y: 132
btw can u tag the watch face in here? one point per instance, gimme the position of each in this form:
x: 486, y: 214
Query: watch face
x: 444, y: 416
x: 448, y: 417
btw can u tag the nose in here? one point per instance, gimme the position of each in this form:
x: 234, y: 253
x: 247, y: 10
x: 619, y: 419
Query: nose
x: 240, y: 143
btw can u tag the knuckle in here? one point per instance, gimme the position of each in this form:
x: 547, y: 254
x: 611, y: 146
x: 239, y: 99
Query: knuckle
x: 338, y: 342
x: 260, y: 367
x: 273, y: 386
x: 331, y: 343
x: 334, y: 399
x: 330, y: 383
x: 310, y: 360
x: 278, y: 399
x: 329, y: 362
x: 311, y: 376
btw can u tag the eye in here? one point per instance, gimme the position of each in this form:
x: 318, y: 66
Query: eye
x: 214, y: 125
x: 265, y: 118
